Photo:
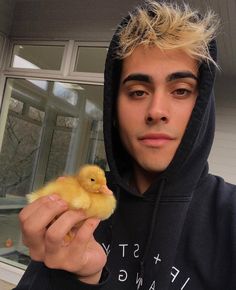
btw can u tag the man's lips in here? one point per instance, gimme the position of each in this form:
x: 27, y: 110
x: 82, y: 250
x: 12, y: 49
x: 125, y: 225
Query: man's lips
x: 155, y: 139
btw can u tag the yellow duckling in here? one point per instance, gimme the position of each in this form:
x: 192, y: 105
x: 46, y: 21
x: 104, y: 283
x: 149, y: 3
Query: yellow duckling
x: 85, y: 190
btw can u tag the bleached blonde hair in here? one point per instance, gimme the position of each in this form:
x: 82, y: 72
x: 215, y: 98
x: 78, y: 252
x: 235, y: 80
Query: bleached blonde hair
x: 169, y: 26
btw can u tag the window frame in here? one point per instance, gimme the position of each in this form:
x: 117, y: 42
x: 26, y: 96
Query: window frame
x: 11, y: 69
x: 68, y: 62
x: 11, y: 271
x: 76, y: 47
x: 2, y: 48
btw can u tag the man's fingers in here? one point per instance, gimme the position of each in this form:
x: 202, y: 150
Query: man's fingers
x: 29, y: 209
x: 62, y: 226
x: 39, y: 219
x: 85, y: 232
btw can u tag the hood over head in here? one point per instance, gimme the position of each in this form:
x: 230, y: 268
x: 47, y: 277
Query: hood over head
x: 190, y: 160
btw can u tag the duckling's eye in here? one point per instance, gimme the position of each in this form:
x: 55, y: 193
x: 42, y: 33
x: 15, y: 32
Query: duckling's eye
x: 92, y: 179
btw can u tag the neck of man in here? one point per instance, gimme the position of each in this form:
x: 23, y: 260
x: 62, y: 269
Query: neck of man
x: 142, y: 179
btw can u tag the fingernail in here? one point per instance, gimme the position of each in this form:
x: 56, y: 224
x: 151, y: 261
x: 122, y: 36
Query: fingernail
x: 82, y: 213
x: 62, y: 202
x: 54, y: 197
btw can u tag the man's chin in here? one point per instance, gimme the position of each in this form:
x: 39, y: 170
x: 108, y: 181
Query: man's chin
x: 150, y: 168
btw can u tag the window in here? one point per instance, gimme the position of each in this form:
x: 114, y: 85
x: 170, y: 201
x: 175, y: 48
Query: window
x: 90, y: 59
x: 48, y: 128
x: 50, y: 124
x: 45, y: 57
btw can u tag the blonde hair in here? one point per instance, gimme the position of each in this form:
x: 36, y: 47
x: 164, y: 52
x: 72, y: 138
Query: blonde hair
x: 169, y: 26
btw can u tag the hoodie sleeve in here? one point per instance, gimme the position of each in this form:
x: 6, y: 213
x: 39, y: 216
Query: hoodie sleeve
x: 38, y: 277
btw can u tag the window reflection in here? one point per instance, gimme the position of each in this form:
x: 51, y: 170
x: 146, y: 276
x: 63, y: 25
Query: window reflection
x: 91, y: 59
x: 44, y: 57
x: 67, y: 92
x: 40, y: 83
x: 21, y: 62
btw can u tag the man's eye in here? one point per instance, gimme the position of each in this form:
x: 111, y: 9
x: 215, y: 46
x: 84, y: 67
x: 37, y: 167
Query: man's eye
x: 182, y: 92
x: 137, y: 93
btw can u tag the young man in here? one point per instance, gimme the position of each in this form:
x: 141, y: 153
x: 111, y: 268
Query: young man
x: 174, y: 226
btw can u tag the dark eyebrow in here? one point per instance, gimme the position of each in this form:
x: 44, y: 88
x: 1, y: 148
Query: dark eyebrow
x: 148, y: 79
x: 181, y: 75
x: 138, y: 77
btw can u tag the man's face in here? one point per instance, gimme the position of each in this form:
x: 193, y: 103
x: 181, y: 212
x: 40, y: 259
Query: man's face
x: 156, y: 97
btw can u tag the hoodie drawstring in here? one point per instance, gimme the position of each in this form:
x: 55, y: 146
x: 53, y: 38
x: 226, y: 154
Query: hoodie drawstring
x: 151, y: 229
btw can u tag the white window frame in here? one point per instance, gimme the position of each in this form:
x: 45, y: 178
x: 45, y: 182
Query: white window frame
x: 2, y: 49
x: 11, y: 273
x: 10, y: 69
x: 78, y: 44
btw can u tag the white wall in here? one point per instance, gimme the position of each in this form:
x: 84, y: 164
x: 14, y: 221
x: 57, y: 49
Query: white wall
x: 223, y: 156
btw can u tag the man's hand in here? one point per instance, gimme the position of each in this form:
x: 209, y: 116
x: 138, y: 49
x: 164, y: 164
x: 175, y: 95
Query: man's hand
x: 46, y: 222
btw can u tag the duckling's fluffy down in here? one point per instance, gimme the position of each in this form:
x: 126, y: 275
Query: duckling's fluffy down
x: 85, y: 190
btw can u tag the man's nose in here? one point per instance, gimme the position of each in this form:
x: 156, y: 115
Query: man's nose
x: 158, y: 108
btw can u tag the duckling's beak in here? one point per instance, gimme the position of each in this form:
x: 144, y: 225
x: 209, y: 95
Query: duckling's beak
x: 104, y: 189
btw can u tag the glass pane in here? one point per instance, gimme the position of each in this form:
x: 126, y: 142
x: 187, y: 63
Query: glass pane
x: 20, y: 135
x: 96, y: 152
x: 58, y: 154
x: 47, y: 129
x: 19, y: 146
x: 91, y: 59
x: 37, y: 57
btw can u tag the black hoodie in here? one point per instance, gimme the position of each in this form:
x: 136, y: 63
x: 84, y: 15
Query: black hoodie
x: 181, y: 233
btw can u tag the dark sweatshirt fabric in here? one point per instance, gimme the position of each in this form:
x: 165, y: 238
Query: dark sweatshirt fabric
x: 181, y: 233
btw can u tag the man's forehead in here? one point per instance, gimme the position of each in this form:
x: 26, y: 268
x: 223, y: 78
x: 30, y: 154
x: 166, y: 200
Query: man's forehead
x: 152, y: 60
